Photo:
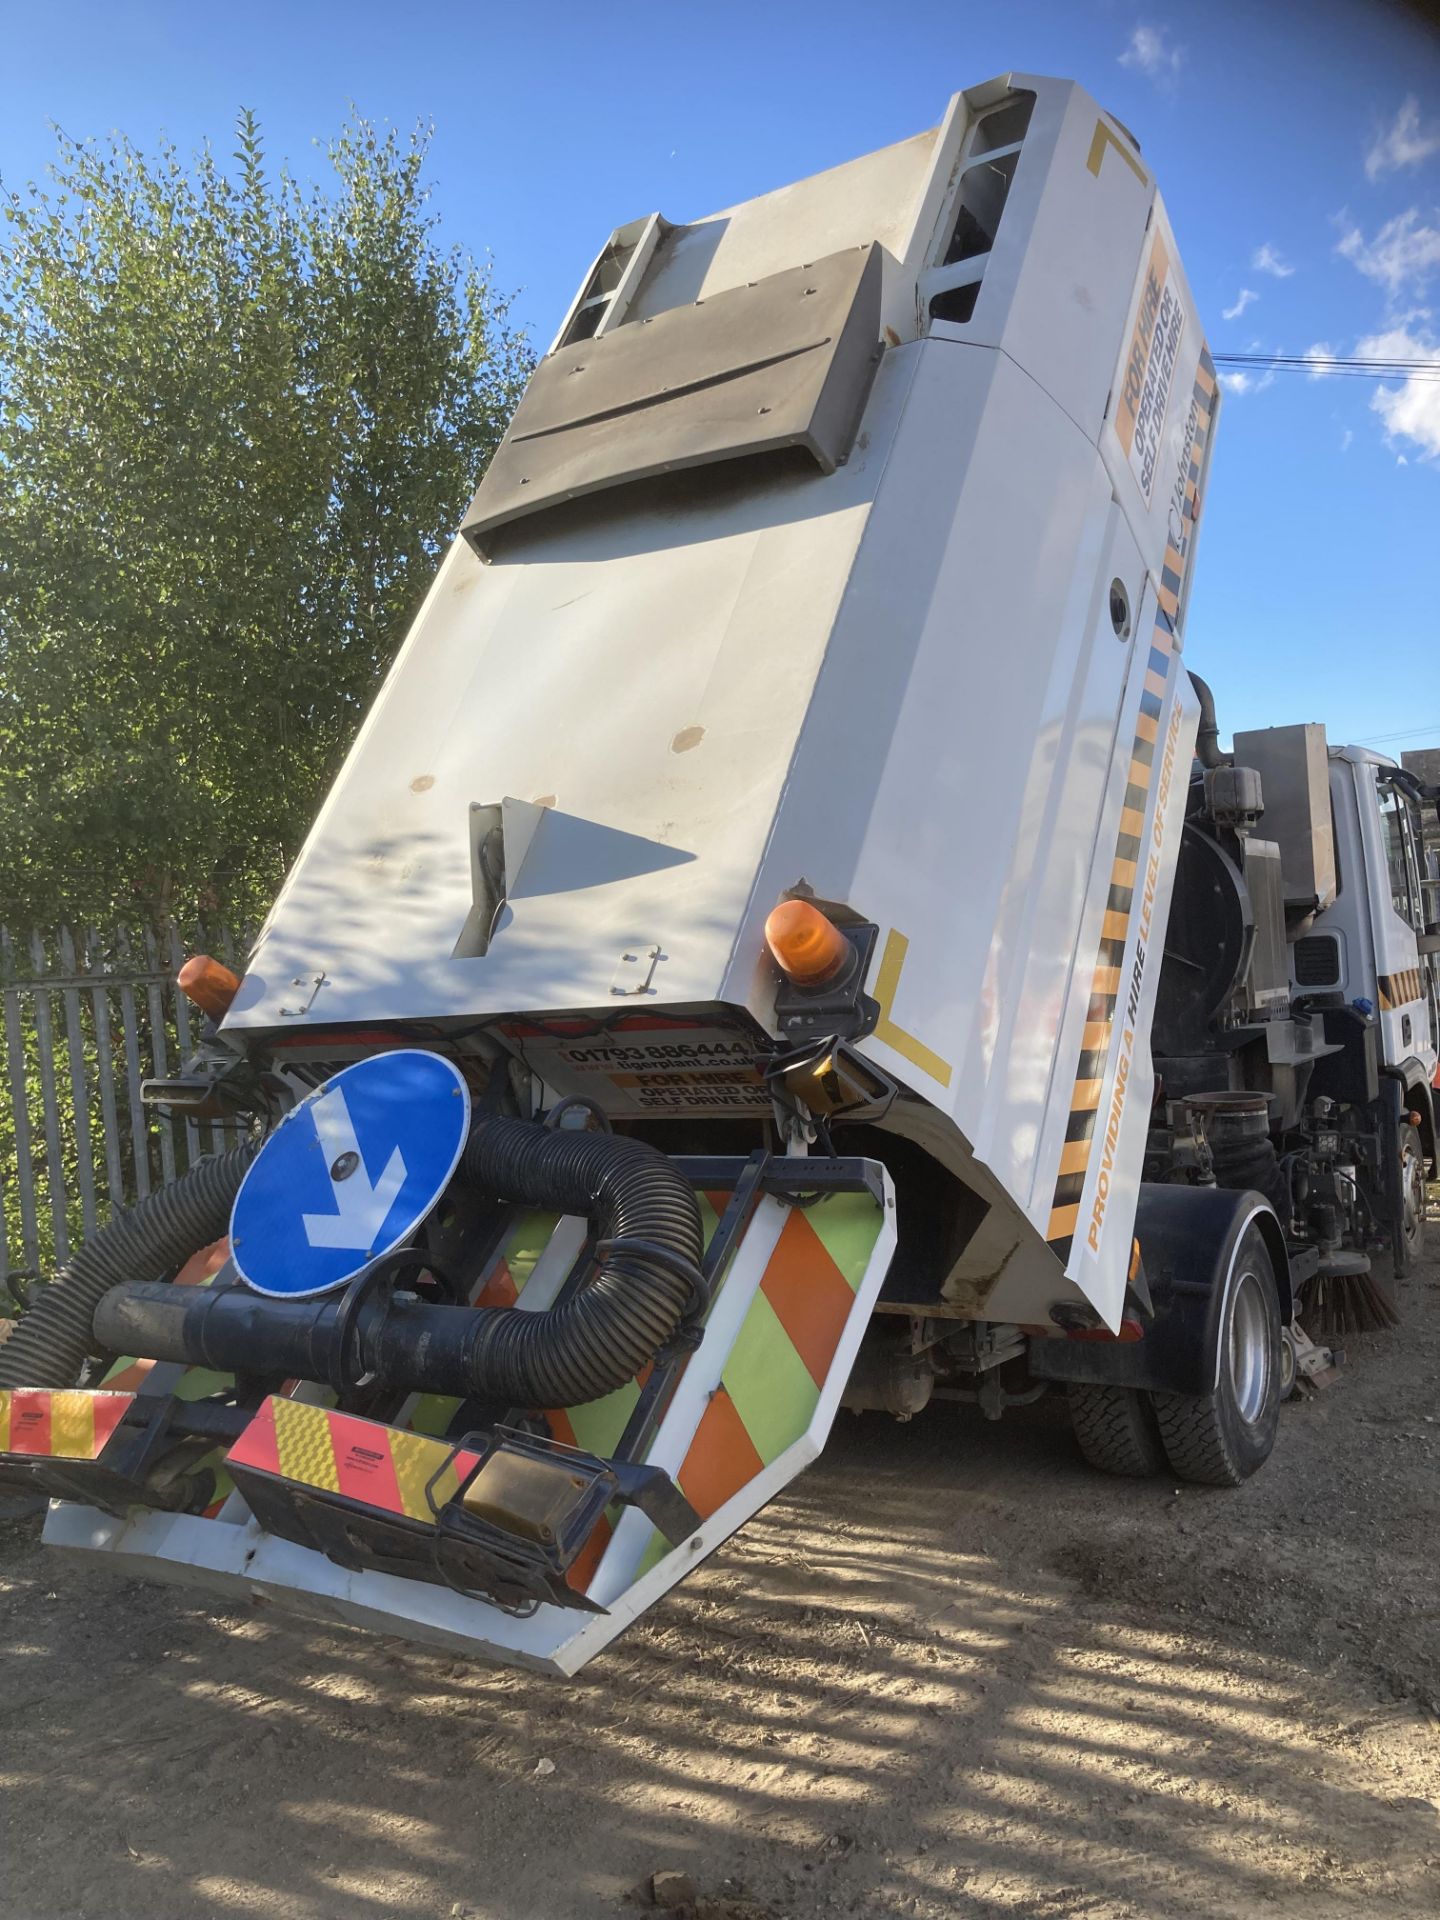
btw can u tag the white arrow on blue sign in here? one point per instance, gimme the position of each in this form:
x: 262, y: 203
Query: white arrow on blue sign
x: 350, y: 1173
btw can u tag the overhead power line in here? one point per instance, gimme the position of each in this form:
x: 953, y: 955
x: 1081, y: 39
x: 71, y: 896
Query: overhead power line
x: 1405, y: 733
x: 1332, y: 366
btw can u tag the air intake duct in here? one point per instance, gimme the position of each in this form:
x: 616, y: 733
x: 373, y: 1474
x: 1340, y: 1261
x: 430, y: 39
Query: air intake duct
x: 647, y: 1276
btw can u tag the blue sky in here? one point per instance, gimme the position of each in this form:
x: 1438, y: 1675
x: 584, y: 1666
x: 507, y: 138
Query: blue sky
x: 1297, y: 146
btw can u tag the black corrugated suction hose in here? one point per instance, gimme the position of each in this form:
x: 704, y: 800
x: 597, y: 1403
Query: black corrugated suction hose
x: 646, y: 1275
x: 151, y: 1239
x: 649, y: 1247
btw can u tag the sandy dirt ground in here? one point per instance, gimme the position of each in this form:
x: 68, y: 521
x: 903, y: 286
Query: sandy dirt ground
x: 952, y: 1672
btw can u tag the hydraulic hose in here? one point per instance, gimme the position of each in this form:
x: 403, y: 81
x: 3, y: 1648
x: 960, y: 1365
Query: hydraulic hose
x: 646, y: 1278
x: 56, y: 1334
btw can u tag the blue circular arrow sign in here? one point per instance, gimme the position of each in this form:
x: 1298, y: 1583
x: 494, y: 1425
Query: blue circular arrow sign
x: 350, y: 1173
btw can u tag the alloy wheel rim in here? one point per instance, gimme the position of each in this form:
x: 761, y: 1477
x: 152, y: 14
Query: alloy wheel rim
x: 1414, y: 1187
x: 1249, y: 1345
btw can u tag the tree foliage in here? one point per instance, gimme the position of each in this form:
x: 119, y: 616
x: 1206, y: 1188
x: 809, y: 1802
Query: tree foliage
x: 238, y: 417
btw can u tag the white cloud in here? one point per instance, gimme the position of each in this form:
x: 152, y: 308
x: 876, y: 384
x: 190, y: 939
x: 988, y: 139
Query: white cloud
x: 1346, y: 439
x: 1266, y: 260
x: 1404, y: 143
x: 1411, y: 412
x: 1322, y: 350
x: 1235, y: 380
x: 1151, y: 54
x: 1246, y: 298
x: 1402, y: 254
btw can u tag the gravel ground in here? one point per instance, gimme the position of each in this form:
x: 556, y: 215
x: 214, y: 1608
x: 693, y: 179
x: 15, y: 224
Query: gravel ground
x: 951, y: 1672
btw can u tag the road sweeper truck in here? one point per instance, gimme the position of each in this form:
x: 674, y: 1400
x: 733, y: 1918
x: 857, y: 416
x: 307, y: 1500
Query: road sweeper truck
x: 786, y: 936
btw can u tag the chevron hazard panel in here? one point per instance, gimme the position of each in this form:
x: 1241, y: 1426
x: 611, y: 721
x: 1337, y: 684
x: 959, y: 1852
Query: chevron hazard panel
x: 794, y: 1277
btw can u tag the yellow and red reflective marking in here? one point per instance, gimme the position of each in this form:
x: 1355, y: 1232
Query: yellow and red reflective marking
x: 385, y: 1468
x: 361, y: 1460
x: 583, y: 1567
x: 596, y: 1428
x: 765, y: 1401
x: 68, y: 1424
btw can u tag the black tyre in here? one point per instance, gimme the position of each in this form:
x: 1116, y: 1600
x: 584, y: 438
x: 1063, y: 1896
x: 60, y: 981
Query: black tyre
x: 1410, y: 1241
x: 1116, y: 1430
x: 1219, y: 1439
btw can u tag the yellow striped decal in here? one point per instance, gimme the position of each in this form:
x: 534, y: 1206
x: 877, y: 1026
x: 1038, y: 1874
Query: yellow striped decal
x: 1105, y: 975
x: 361, y: 1460
x: 1401, y: 989
x: 887, y: 985
x: 414, y: 1458
x: 304, y: 1445
x: 1102, y: 141
x: 68, y: 1423
x: 1125, y: 867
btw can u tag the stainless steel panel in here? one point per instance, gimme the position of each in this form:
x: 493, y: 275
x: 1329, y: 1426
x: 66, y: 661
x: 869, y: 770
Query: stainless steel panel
x: 1293, y: 764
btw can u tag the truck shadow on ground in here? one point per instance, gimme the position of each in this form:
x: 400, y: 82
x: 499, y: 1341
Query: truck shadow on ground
x: 897, y: 1691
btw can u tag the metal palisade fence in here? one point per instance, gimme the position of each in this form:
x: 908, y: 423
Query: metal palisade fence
x: 87, y: 1018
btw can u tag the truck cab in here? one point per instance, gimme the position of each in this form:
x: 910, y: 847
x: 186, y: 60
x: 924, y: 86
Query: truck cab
x: 1377, y: 945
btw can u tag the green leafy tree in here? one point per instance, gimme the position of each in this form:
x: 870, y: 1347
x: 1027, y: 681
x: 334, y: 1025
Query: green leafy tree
x: 238, y: 418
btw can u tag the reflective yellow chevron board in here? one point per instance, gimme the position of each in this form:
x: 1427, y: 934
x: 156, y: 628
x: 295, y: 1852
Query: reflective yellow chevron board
x: 756, y: 1401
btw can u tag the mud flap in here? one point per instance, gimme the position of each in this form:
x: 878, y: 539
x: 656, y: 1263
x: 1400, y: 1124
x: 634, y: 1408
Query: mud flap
x: 798, y: 1250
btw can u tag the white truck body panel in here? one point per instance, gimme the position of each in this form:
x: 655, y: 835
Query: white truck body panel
x: 898, y: 683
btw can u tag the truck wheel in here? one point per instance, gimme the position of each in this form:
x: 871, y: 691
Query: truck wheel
x: 1410, y: 1243
x: 1220, y: 1438
x: 1116, y: 1429
x: 1289, y: 1364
